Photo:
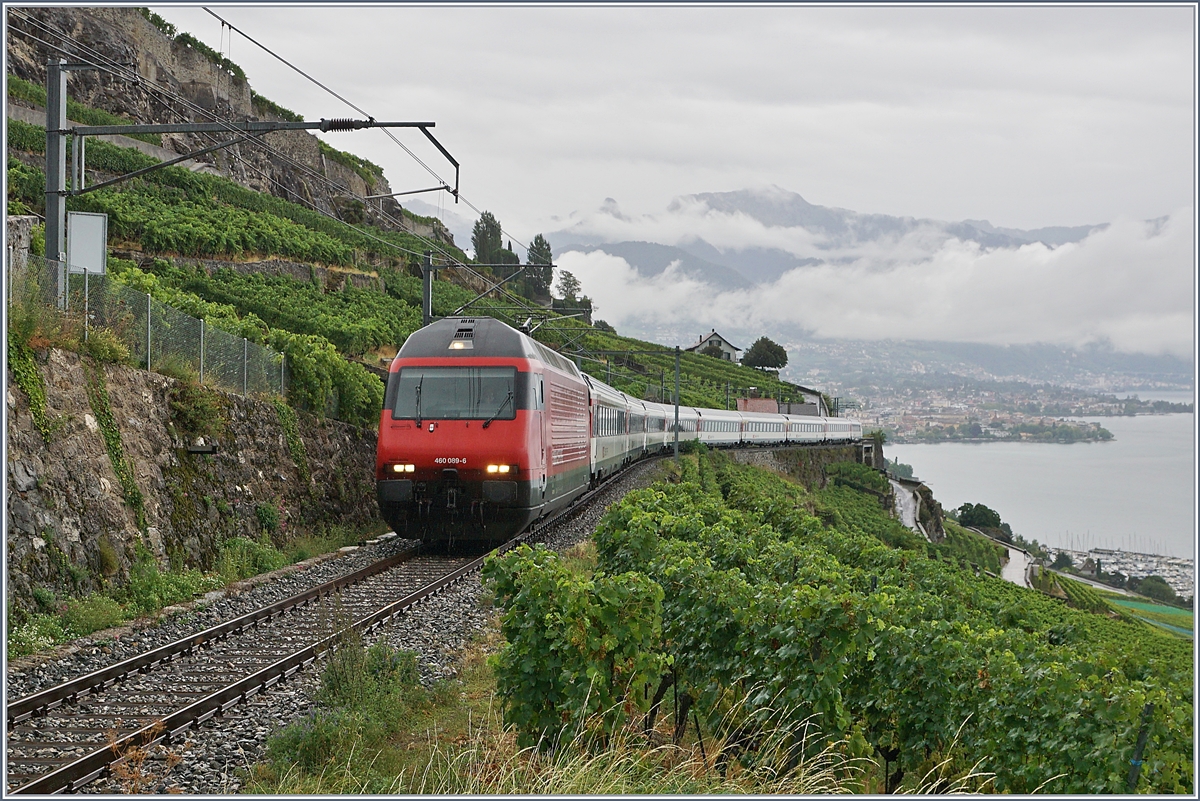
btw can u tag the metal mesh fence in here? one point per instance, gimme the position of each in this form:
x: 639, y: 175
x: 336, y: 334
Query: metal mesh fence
x: 158, y: 337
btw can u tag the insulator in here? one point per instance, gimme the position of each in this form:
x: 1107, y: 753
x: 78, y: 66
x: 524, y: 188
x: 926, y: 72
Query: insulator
x: 340, y: 125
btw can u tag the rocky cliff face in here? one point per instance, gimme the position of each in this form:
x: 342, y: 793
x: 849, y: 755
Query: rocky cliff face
x: 123, y: 36
x: 806, y: 465
x: 70, y: 525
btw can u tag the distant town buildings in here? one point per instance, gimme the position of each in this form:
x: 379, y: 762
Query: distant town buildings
x: 1178, y: 572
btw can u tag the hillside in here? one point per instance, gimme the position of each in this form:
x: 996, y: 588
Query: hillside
x: 334, y: 288
x: 181, y: 78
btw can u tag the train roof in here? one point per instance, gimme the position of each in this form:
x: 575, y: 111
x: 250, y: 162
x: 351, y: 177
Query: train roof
x: 467, y: 337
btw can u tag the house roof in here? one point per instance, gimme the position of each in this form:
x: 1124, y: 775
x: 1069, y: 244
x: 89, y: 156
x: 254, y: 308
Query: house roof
x: 710, y: 335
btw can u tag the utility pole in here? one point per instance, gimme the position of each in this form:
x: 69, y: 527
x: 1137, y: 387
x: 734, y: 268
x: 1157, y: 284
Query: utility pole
x: 56, y: 170
x: 56, y: 152
x: 676, y: 404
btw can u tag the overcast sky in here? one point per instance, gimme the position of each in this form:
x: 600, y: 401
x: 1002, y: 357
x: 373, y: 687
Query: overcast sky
x: 1025, y: 117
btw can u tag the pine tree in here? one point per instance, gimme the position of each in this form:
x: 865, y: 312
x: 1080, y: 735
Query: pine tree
x: 487, y: 239
x: 541, y: 275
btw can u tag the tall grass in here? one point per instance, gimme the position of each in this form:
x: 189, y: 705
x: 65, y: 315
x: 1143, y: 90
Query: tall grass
x: 376, y: 730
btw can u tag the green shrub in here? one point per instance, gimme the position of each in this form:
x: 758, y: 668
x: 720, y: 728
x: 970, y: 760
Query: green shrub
x: 82, y: 616
x: 212, y: 55
x: 103, y: 345
x: 262, y: 104
x: 291, y: 432
x: 158, y: 22
x: 45, y: 598
x: 858, y: 476
x: 240, y: 558
x: 28, y: 377
x: 76, y: 112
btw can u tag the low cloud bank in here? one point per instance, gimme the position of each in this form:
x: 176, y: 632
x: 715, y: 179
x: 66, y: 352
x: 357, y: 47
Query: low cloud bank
x: 1131, y: 284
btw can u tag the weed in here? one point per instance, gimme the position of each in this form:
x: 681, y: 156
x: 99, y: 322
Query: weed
x: 175, y: 366
x: 196, y: 410
x: 39, y: 631
x: 82, y: 616
x: 242, y: 558
x: 104, y: 345
x: 107, y: 556
x: 150, y: 589
x: 268, y: 517
x: 132, y: 769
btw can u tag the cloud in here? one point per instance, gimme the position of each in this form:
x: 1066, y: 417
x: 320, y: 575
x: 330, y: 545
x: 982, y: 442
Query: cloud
x: 1131, y: 284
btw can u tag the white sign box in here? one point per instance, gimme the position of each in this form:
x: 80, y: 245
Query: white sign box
x: 87, y: 242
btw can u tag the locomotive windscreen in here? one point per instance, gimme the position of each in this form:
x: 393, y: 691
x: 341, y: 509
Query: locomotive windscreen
x: 456, y: 393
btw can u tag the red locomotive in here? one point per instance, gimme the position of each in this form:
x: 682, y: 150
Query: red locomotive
x: 483, y: 430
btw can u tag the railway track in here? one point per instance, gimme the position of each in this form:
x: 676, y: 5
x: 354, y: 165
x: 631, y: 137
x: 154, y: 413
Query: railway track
x: 64, y: 737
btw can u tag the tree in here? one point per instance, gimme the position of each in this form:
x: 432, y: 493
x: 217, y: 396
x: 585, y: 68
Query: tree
x: 542, y: 275
x: 601, y: 325
x: 978, y: 516
x: 487, y: 239
x: 1062, y: 561
x: 1155, y: 587
x: 568, y: 286
x: 714, y: 350
x: 506, y: 256
x: 765, y: 353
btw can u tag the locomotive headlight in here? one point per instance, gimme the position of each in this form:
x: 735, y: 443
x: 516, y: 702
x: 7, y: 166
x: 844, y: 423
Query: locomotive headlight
x: 500, y: 468
x: 404, y: 468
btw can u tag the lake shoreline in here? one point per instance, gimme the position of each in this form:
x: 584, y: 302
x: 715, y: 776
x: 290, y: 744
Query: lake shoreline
x: 1137, y: 493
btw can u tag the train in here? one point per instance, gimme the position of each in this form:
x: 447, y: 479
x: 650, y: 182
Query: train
x: 485, y: 430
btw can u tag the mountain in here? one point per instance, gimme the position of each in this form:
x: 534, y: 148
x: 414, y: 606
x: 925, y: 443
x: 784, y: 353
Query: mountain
x: 816, y: 234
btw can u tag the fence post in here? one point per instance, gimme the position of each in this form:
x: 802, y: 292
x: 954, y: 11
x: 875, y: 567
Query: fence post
x: 147, y: 330
x: 201, y: 350
x: 86, y: 304
x: 245, y: 362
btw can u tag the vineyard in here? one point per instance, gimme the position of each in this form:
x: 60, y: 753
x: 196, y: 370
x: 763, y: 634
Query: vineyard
x: 971, y: 548
x: 736, y: 598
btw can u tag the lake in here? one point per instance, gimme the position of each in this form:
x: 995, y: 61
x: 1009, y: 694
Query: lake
x: 1137, y: 492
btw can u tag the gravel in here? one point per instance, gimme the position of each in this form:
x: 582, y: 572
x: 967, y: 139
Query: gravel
x: 215, y: 758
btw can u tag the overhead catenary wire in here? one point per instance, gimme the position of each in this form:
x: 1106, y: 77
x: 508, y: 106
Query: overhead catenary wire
x: 390, y: 135
x: 119, y: 71
x: 123, y: 72
x: 272, y: 53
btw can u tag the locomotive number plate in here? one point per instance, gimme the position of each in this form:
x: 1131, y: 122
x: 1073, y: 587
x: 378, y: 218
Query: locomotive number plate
x: 450, y: 460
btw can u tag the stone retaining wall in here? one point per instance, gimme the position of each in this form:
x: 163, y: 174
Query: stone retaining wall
x: 69, y: 526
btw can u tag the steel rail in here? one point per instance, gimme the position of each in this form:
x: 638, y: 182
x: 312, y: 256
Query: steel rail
x: 39, y: 703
